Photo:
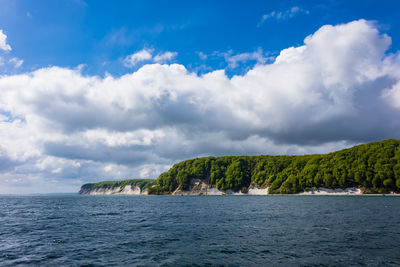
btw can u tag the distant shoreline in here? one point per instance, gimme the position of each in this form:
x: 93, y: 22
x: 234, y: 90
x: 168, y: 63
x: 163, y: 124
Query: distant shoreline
x: 227, y: 195
x: 202, y: 189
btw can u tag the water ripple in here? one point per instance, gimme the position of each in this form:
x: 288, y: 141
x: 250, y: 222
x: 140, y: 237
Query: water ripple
x: 199, y: 231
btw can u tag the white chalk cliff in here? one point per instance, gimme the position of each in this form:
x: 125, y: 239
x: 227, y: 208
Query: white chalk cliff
x: 126, y: 190
x: 200, y: 188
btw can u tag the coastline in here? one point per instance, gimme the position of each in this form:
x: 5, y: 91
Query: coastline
x: 200, y: 188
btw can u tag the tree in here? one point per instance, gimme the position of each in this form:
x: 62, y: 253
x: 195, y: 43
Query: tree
x: 237, y: 175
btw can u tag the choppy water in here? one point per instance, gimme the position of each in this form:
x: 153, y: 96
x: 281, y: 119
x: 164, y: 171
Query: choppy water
x: 164, y: 230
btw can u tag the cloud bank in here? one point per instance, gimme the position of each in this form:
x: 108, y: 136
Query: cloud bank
x: 60, y: 128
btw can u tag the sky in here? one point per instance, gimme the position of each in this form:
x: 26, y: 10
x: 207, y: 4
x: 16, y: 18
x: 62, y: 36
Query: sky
x: 108, y: 90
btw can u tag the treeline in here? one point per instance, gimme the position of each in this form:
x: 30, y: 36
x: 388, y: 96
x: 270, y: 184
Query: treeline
x: 142, y: 183
x: 373, y: 167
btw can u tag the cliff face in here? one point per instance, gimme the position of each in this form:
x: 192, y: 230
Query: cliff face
x: 124, y: 187
x: 199, y: 188
x: 126, y: 190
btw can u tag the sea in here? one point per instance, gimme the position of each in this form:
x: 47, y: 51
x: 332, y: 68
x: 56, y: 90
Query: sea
x: 82, y: 230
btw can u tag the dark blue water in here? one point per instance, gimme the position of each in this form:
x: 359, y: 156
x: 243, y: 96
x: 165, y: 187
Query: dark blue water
x: 227, y: 230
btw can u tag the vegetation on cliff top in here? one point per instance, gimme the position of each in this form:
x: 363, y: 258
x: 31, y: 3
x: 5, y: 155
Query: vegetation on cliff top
x: 374, y: 167
x: 142, y: 183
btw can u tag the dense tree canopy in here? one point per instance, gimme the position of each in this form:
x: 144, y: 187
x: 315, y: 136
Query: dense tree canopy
x: 373, y: 167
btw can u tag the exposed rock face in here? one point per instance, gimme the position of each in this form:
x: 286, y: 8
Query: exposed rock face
x: 258, y: 191
x: 326, y: 191
x: 126, y: 190
x: 199, y: 188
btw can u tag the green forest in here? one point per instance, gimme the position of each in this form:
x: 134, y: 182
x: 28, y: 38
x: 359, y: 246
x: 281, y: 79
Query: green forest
x: 373, y: 167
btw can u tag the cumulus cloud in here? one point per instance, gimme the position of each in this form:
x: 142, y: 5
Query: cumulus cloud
x: 282, y: 15
x: 338, y: 89
x: 3, y: 42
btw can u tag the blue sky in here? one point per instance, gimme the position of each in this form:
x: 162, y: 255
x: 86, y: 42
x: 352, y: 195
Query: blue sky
x: 106, y: 90
x: 100, y: 33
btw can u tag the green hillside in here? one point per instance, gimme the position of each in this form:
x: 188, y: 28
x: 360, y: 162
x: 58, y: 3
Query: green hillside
x: 373, y: 167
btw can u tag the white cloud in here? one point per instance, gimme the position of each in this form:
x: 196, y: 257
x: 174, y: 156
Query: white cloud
x: 234, y: 60
x: 282, y: 15
x: 148, y: 171
x: 3, y: 42
x: 140, y: 56
x: 147, y: 55
x: 16, y: 62
x: 339, y: 88
x: 164, y: 57
x: 393, y: 95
